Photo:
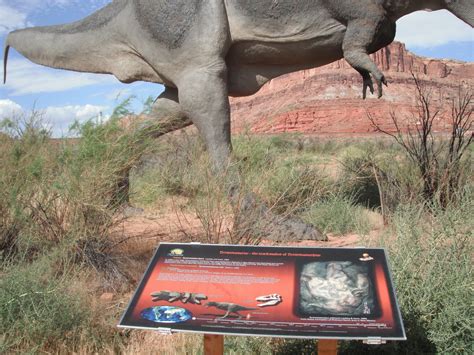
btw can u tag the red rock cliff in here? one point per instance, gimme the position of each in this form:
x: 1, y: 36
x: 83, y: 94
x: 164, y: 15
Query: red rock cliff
x: 328, y: 100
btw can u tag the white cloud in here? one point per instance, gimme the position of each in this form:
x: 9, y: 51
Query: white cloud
x: 61, y: 117
x: 24, y: 77
x: 429, y: 29
x: 57, y: 118
x: 11, y: 19
x: 9, y: 108
x: 32, y: 6
x: 14, y: 14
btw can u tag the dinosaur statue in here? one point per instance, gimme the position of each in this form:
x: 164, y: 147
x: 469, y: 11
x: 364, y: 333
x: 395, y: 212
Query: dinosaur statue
x: 202, y: 51
x: 229, y: 308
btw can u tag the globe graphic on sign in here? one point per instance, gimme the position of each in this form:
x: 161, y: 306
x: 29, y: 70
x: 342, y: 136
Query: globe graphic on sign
x: 166, y: 314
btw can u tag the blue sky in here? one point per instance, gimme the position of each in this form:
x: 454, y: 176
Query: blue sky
x: 65, y: 96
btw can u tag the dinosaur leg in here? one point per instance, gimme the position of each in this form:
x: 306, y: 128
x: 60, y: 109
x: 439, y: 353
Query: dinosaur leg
x: 238, y: 314
x: 361, y: 35
x: 203, y: 96
x: 166, y: 116
x: 226, y: 314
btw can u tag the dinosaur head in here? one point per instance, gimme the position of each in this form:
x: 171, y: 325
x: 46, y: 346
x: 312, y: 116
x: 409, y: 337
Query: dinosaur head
x: 463, y: 9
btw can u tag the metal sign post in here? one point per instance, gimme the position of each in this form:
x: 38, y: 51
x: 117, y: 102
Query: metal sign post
x: 214, y: 345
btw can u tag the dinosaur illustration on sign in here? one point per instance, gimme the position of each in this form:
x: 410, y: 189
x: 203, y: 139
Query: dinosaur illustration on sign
x: 184, y: 297
x: 229, y: 308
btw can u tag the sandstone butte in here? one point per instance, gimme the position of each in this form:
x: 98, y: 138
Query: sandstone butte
x: 328, y: 100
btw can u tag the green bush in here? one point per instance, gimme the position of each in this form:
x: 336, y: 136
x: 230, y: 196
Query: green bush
x: 64, y: 192
x: 292, y: 189
x: 247, y: 345
x: 379, y: 179
x: 36, y: 310
x: 339, y: 215
x: 433, y: 272
x: 294, y: 346
x: 25, y: 165
x: 182, y: 160
x: 430, y: 252
x: 254, y: 154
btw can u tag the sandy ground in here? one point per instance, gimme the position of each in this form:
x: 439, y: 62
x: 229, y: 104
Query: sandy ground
x: 142, y: 233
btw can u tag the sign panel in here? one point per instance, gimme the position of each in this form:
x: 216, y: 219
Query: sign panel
x: 337, y: 293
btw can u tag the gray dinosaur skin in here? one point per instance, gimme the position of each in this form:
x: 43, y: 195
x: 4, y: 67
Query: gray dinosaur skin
x: 205, y: 50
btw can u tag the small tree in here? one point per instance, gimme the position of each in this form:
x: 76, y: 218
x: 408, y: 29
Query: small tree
x: 438, y: 159
x: 29, y: 126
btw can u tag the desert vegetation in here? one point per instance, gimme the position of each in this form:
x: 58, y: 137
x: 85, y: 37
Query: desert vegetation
x: 71, y: 256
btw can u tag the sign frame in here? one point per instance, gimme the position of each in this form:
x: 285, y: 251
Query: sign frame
x: 165, y: 329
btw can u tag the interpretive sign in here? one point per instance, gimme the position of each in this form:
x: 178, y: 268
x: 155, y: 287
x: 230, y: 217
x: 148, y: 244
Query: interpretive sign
x: 336, y: 293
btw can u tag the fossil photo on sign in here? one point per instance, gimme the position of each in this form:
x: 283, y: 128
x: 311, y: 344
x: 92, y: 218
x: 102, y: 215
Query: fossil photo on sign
x: 336, y: 288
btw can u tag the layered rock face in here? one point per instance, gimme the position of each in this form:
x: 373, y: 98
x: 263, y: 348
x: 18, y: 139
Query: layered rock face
x: 328, y: 100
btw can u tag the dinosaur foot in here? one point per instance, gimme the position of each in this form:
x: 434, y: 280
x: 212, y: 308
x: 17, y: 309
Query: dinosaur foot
x: 256, y: 220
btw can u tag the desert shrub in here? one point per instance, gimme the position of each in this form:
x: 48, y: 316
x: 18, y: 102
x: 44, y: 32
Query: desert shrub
x: 58, y: 205
x: 442, y: 163
x: 64, y: 192
x: 247, y: 345
x: 145, y: 187
x: 284, y: 176
x: 358, y: 179
x: 381, y: 179
x: 284, y: 141
x: 25, y: 164
x: 290, y: 188
x: 181, y: 162
x: 439, y: 289
x: 254, y: 154
x: 321, y: 146
x: 294, y: 346
x: 36, y: 310
x: 212, y: 206
x: 338, y: 214
x: 171, y: 168
x: 430, y: 253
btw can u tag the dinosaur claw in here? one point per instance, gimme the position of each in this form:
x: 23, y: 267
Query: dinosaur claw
x: 379, y: 83
x: 367, y: 83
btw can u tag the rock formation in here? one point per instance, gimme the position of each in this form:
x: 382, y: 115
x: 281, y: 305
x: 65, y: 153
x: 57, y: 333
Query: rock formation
x: 328, y: 100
